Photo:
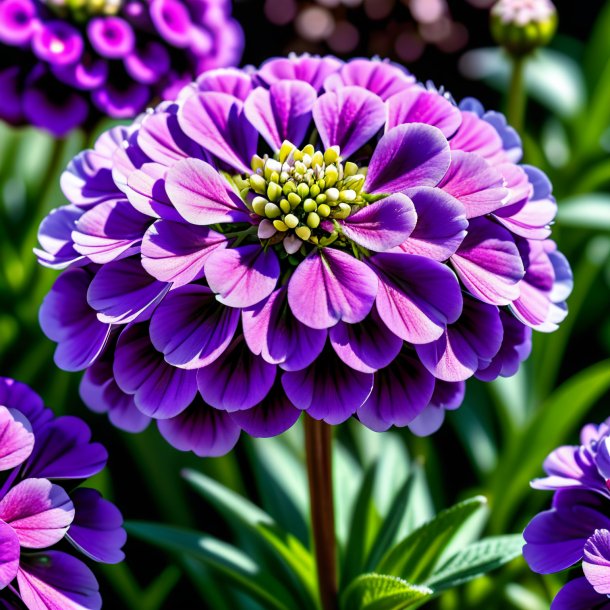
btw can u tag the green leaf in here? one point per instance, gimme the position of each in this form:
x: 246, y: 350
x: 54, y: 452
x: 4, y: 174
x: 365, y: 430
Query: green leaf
x: 597, y: 50
x: 236, y: 566
x: 382, y: 592
x: 589, y: 211
x: 475, y: 560
x: 416, y: 557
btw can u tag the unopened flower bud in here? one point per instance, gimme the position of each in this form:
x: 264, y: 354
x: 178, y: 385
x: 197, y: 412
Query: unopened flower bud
x: 272, y: 210
x: 280, y: 226
x: 258, y: 205
x: 313, y: 220
x: 258, y: 183
x: 303, y: 232
x: 323, y: 210
x: 274, y: 191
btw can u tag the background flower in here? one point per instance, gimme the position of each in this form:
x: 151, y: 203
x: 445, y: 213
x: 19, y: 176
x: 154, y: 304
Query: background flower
x: 43, y: 460
x: 224, y: 274
x: 66, y: 64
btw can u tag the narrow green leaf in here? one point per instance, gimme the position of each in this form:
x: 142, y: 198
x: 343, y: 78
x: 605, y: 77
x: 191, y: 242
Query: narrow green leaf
x: 237, y: 567
x: 475, y: 560
x: 415, y: 558
x: 382, y: 592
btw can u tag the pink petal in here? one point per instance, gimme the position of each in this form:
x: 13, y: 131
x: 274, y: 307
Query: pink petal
x: 17, y: 438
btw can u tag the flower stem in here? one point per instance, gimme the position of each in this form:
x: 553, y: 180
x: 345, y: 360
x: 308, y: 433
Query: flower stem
x: 318, y: 449
x: 516, y: 94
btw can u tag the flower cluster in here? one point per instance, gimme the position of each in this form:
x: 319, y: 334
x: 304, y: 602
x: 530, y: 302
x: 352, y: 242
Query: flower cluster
x: 576, y: 530
x: 43, y: 459
x: 65, y: 63
x: 312, y: 236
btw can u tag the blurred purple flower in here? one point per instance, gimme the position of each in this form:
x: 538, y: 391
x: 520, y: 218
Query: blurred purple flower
x: 65, y: 64
x: 311, y: 236
x: 44, y: 459
x: 577, y: 528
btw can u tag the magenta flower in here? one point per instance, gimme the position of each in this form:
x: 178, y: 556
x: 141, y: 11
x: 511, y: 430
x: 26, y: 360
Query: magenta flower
x: 44, y: 459
x: 576, y: 530
x: 312, y: 236
x: 65, y: 64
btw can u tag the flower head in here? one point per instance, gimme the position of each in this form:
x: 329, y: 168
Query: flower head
x: 66, y: 63
x: 43, y: 460
x: 312, y: 236
x: 576, y: 530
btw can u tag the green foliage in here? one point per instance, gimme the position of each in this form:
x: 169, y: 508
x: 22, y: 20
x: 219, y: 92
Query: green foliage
x: 382, y: 592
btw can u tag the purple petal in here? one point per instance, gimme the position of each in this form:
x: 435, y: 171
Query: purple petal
x: 64, y: 450
x: 446, y: 396
x: 56, y: 580
x: 366, y: 346
x: 159, y: 389
x: 469, y: 343
x: 236, y: 380
x: 108, y: 230
x: 381, y: 77
x: 312, y: 70
x: 478, y: 136
x: 417, y: 297
x: 19, y: 396
x: 146, y: 192
x: 9, y: 555
x: 408, y: 156
x: 191, y: 328
x: 17, y: 438
x: 400, y: 393
x: 233, y: 81
x: 217, y: 122
x: 66, y: 317
x: 441, y: 224
x: 383, y: 224
x: 205, y: 431
x: 272, y: 331
x: 38, y: 511
x: 272, y: 417
x: 281, y: 113
x: 475, y: 183
x: 243, y: 276
x: 578, y: 594
x: 55, y: 238
x: 97, y: 529
x: 596, y: 561
x: 177, y: 252
x: 348, y: 118
x: 328, y: 389
x: 329, y: 286
x: 488, y: 263
x: 122, y: 292
x: 201, y: 195
x: 87, y: 180
x: 417, y: 105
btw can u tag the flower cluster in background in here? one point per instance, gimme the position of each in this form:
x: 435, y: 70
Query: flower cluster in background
x: 312, y: 236
x: 390, y: 28
x: 64, y: 63
x: 576, y: 530
x: 43, y: 460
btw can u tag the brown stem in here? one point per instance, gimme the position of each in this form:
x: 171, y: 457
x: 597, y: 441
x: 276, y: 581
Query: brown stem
x: 318, y: 449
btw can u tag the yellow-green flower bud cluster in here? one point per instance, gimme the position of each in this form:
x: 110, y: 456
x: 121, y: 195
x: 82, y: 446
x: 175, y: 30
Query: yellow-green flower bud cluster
x: 299, y: 189
x: 82, y: 10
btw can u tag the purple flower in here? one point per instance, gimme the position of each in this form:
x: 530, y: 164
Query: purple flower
x: 311, y: 236
x: 44, y: 460
x: 66, y: 64
x: 576, y: 530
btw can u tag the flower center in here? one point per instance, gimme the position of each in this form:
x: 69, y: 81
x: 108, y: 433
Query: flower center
x: 298, y: 190
x: 83, y: 10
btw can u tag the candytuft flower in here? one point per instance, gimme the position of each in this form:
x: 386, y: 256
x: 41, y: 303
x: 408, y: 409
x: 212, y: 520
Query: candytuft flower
x: 67, y: 63
x: 576, y: 530
x: 312, y: 236
x: 43, y: 460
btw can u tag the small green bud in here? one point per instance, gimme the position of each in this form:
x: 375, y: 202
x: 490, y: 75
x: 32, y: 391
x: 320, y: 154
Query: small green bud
x: 309, y: 150
x: 285, y: 206
x: 285, y: 150
x: 280, y: 226
x: 331, y: 175
x: 297, y: 155
x: 272, y: 210
x: 274, y: 191
x: 342, y: 211
x: 303, y: 232
x: 350, y: 169
x: 317, y: 159
x: 291, y: 221
x: 324, y: 210
x: 289, y: 187
x: 314, y: 191
x: 348, y: 195
x: 275, y: 177
x: 284, y: 177
x: 257, y: 163
x: 258, y: 205
x: 309, y: 205
x: 302, y: 190
x: 294, y: 199
x: 332, y: 194
x: 258, y: 183
x: 331, y: 155
x: 313, y: 220
x: 321, y: 198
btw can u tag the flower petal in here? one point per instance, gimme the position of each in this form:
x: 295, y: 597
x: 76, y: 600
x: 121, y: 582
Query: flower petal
x: 191, y: 328
x: 311, y: 69
x: 446, y: 396
x: 19, y: 396
x: 55, y: 238
x: 596, y: 561
x: 145, y: 189
x: 217, y: 122
x: 417, y: 297
x: 38, y: 511
x: 9, y: 555
x: 159, y: 389
x: 282, y: 112
x: 236, y: 380
x: 243, y: 276
x: 205, y: 431
x: 201, y: 195
x: 381, y: 225
x: 177, y: 252
x: 348, y: 117
x: 478, y: 136
x: 578, y: 594
x: 97, y: 529
x: 328, y: 389
x: 17, y: 438
x: 329, y: 286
